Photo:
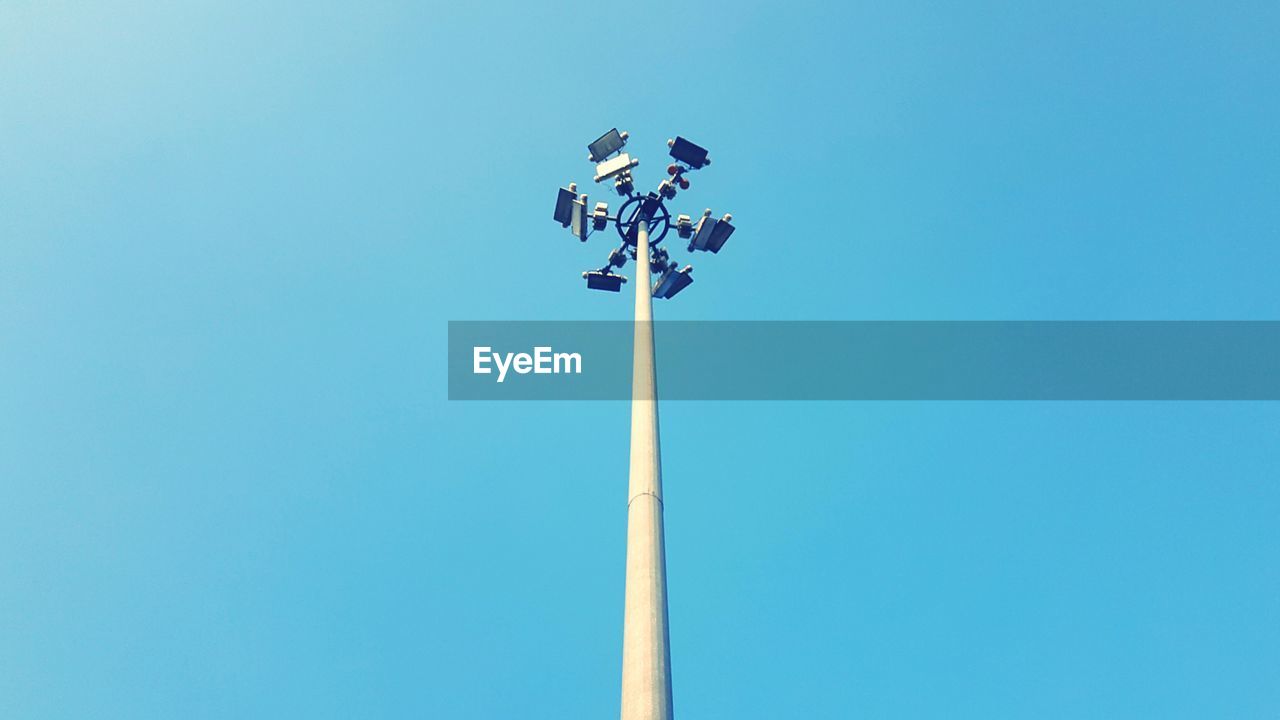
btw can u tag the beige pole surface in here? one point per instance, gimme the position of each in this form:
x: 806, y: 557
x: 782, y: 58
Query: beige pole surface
x: 646, y: 653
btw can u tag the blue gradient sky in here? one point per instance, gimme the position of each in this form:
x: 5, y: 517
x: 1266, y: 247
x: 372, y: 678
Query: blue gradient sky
x: 231, y: 236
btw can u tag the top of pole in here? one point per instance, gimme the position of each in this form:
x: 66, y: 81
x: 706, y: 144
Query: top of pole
x: 649, y: 210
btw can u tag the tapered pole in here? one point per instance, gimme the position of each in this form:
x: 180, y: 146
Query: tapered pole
x: 646, y: 652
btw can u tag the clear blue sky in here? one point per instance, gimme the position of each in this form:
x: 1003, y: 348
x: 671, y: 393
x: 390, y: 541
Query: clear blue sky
x: 231, y: 235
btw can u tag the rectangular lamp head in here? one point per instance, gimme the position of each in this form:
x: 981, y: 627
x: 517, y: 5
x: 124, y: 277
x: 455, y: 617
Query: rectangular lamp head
x: 719, y: 234
x: 606, y: 145
x: 578, y: 223
x: 688, y: 153
x: 702, y: 233
x: 672, y: 282
x: 608, y: 282
x: 615, y: 166
x: 564, y: 206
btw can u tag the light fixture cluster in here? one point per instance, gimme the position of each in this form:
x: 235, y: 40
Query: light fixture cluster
x: 708, y: 234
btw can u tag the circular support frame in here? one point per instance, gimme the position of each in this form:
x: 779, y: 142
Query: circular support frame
x: 662, y: 216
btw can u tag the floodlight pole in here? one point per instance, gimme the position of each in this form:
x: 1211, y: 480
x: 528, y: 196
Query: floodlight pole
x: 646, y: 641
x: 646, y: 650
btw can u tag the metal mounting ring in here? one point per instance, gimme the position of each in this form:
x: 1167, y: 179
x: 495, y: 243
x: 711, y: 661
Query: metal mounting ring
x: 661, y: 216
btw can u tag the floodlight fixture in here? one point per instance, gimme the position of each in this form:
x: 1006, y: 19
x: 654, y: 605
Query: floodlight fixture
x: 578, y: 222
x: 601, y: 280
x: 672, y: 282
x: 600, y: 216
x: 695, y: 156
x: 606, y: 145
x: 702, y: 231
x: 615, y: 166
x: 564, y: 204
x: 720, y: 232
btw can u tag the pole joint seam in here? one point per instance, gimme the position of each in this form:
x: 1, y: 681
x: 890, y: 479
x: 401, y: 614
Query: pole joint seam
x: 633, y: 497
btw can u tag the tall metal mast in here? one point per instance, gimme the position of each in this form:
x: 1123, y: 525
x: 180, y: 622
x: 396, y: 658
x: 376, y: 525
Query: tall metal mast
x: 646, y: 651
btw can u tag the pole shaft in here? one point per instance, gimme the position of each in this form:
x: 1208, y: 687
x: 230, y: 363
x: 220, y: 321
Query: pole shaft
x: 646, y: 652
